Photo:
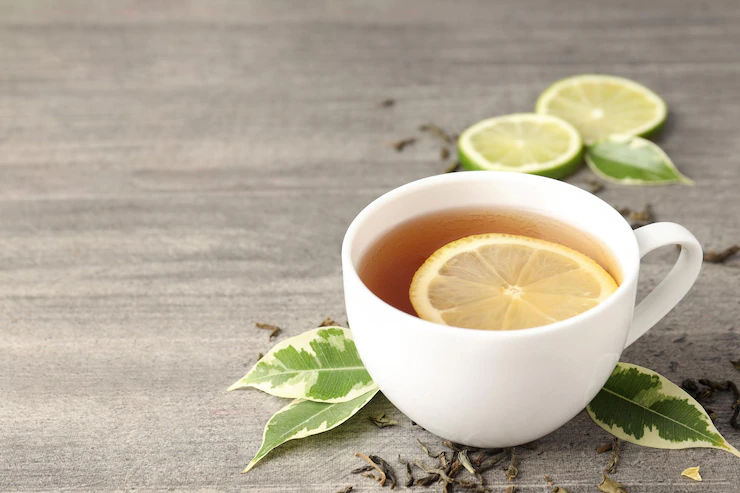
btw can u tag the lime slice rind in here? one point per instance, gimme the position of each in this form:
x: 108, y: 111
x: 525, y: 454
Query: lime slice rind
x: 542, y: 135
x: 598, y: 96
x: 629, y: 160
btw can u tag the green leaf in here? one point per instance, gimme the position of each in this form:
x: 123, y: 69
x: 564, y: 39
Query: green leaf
x: 632, y: 161
x: 644, y: 408
x: 302, y: 418
x: 319, y: 365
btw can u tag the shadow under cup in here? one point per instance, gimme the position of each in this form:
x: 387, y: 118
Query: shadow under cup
x: 490, y: 388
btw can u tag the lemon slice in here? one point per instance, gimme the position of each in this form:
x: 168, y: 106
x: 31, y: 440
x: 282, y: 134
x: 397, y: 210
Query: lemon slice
x: 524, y: 142
x: 506, y: 282
x: 602, y: 106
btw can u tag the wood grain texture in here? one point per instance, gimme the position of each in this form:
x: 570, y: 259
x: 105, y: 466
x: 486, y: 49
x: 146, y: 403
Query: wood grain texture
x: 172, y: 172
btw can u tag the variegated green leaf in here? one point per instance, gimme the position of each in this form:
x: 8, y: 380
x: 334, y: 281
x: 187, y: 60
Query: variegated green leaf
x: 320, y: 365
x: 302, y: 418
x: 632, y: 161
x: 644, y: 408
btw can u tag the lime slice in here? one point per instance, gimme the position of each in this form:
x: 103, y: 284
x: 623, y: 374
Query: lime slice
x: 506, y: 282
x: 600, y: 106
x: 523, y: 142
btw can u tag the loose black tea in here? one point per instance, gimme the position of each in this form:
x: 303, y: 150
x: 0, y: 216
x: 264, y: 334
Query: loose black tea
x: 444, y: 153
x: 436, y: 131
x: 387, y: 103
x: 608, y: 485
x: 720, y: 257
x: 389, y: 265
x: 611, y: 467
x: 595, y: 186
x: 382, y: 421
x: 454, y: 166
x: 400, y: 145
x: 274, y: 329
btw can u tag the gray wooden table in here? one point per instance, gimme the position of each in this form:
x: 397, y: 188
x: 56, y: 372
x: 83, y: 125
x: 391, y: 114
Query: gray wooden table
x: 172, y: 172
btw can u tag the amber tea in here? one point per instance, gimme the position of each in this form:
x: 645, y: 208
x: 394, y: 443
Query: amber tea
x: 389, y: 265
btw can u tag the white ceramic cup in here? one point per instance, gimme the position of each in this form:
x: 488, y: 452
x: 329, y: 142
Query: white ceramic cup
x: 504, y: 388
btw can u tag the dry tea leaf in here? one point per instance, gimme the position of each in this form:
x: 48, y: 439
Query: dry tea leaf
x: 444, y: 153
x: 382, y: 420
x: 605, y: 447
x: 399, y: 145
x: 735, y: 363
x: 387, y: 103
x: 595, y: 185
x: 558, y: 489
x: 346, y: 490
x: 548, y: 480
x: 465, y: 461
x: 714, y: 257
x: 328, y: 322
x: 454, y: 166
x: 511, y: 489
x: 435, y: 130
x: 274, y: 329
x: 409, y: 474
x: 608, y: 485
x: 611, y: 468
x: 692, y: 473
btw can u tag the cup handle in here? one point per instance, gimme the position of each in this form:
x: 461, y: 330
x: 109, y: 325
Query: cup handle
x: 678, y: 281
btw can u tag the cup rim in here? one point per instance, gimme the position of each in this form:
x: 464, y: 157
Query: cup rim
x: 629, y: 273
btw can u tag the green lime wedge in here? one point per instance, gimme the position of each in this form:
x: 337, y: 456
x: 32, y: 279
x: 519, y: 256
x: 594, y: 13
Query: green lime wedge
x: 633, y: 161
x: 600, y: 106
x: 523, y: 142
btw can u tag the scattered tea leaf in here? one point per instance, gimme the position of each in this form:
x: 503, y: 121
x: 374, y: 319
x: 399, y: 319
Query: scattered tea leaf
x: 605, y: 447
x: 692, y: 473
x: 611, y: 467
x: 548, y: 480
x: 595, y: 186
x: 444, y: 153
x: 386, y: 471
x: 558, y: 489
x: 328, y: 322
x: 703, y: 396
x: 346, y: 490
x: 642, y: 407
x: 608, y: 485
x: 400, y: 145
x: 319, y: 365
x: 387, y: 103
x: 512, y: 472
x: 274, y: 329
x: 260, y: 356
x: 644, y: 215
x: 530, y: 445
x: 381, y: 420
x: 465, y: 461
x: 632, y: 161
x: 454, y: 166
x: 510, y: 489
x: 409, y: 474
x: 714, y: 257
x: 302, y: 418
x: 735, y: 363
x: 426, y: 450
x: 436, y: 131
x: 382, y: 479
